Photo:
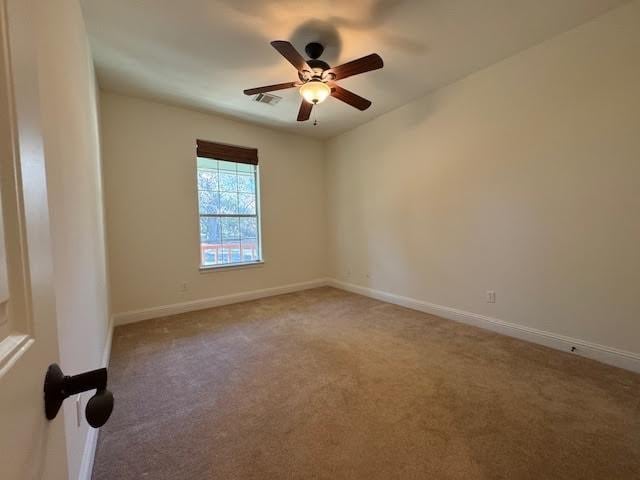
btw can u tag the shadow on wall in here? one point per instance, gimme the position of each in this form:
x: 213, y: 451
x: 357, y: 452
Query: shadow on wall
x: 406, y: 118
x: 417, y: 111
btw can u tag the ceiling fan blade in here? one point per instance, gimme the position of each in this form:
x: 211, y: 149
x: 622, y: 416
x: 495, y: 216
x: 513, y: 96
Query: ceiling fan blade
x: 289, y: 52
x: 349, y: 98
x: 305, y: 111
x: 270, y: 88
x: 355, y: 67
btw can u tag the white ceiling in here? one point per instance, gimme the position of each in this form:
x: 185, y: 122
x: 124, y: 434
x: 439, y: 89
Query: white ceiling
x: 204, y: 53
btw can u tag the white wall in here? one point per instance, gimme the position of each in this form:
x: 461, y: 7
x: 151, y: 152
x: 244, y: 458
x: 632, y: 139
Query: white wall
x: 149, y: 171
x: 523, y: 178
x: 72, y: 154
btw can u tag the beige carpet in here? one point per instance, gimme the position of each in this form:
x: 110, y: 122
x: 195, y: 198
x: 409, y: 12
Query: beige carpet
x: 325, y: 384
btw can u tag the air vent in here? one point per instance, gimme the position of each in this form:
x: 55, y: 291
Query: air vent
x: 267, y: 98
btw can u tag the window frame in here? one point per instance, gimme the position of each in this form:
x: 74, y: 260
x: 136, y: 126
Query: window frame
x: 258, y: 216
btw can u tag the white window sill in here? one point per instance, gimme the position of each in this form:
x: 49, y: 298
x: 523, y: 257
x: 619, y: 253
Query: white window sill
x: 231, y: 266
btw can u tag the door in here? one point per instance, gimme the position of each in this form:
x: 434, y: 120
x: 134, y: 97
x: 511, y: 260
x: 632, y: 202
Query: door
x: 30, y: 446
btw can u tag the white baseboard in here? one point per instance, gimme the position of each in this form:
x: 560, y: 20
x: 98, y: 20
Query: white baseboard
x: 601, y: 353
x: 91, y: 442
x: 176, y: 308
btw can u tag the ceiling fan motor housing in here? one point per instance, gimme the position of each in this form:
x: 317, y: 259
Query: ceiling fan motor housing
x: 318, y: 67
x: 318, y: 64
x: 314, y: 50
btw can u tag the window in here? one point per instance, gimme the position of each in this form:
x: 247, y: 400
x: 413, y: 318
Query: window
x: 228, y: 205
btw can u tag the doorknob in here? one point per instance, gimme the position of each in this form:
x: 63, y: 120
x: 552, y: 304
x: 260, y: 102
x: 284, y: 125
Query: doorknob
x: 58, y: 386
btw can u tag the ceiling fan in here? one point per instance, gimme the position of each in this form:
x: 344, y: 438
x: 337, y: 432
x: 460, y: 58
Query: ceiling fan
x: 317, y: 80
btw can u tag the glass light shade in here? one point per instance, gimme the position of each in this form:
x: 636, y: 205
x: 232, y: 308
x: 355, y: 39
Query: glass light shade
x: 315, y: 91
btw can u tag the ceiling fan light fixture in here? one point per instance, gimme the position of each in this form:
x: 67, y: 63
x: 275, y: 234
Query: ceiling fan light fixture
x: 315, y: 91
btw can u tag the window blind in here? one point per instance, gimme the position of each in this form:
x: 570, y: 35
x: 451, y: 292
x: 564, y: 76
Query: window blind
x: 229, y: 153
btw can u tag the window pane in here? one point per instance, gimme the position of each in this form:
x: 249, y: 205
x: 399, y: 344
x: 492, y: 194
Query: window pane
x: 246, y: 183
x: 209, y: 256
x: 223, y: 256
x: 229, y: 253
x: 249, y: 255
x: 209, y: 230
x: 228, y: 203
x: 209, y: 240
x: 209, y: 202
x: 208, y: 163
x: 230, y: 227
x: 227, y: 166
x: 207, y: 180
x: 246, y: 168
x: 249, y: 250
x: 248, y: 228
x: 228, y: 182
x: 246, y: 204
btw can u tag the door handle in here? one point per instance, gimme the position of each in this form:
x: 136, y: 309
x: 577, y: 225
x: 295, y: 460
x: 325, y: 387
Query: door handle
x: 58, y: 387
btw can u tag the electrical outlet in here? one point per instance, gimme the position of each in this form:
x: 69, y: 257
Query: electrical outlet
x: 491, y: 296
x: 183, y: 287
